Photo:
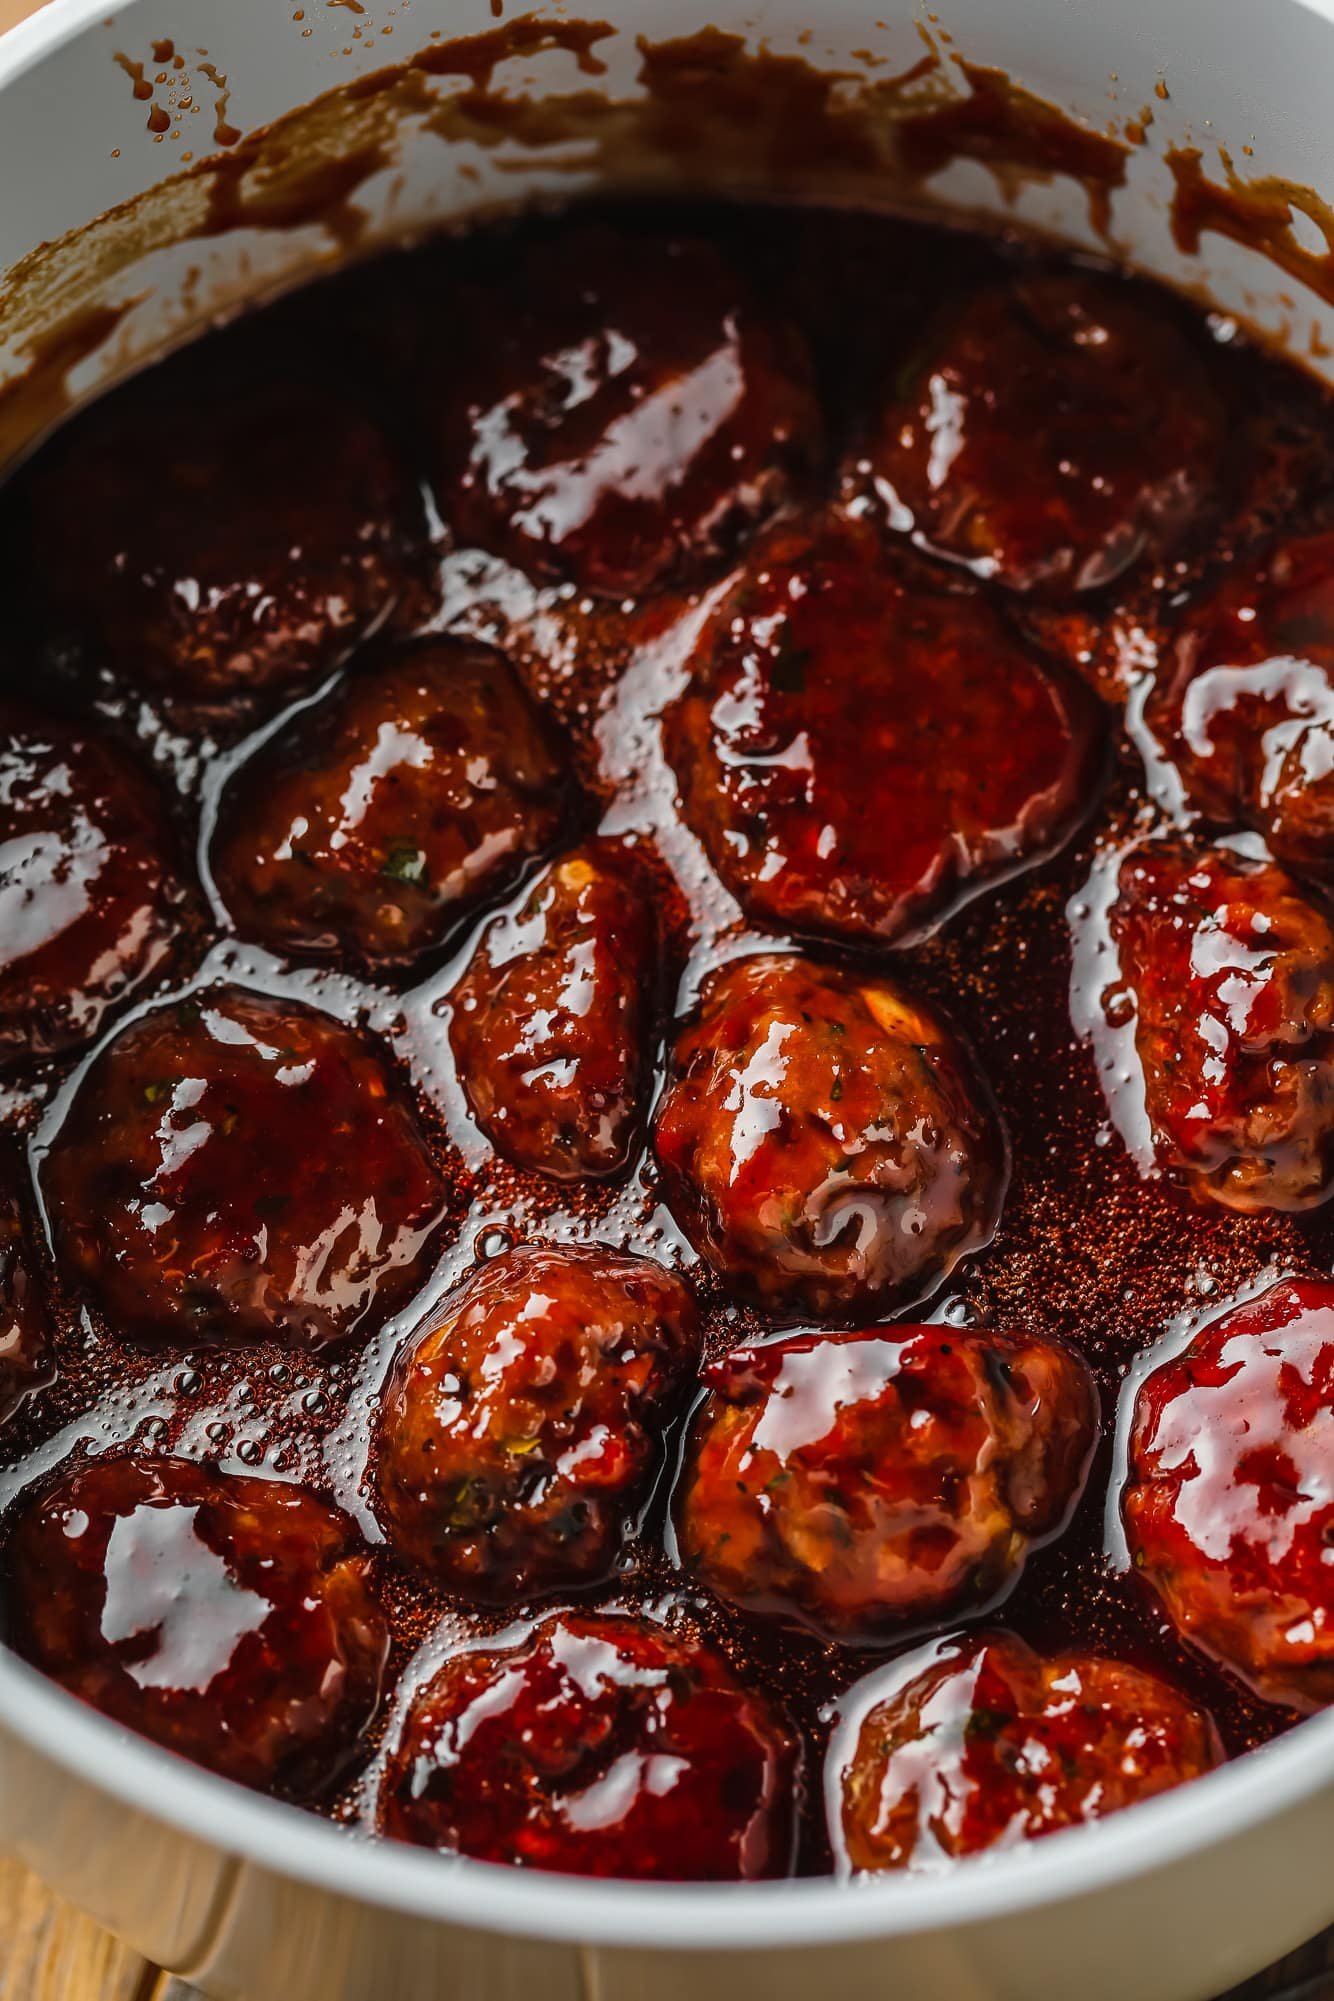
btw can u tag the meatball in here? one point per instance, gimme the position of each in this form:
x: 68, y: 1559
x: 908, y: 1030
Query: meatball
x: 234, y: 1167
x: 867, y: 1482
x: 25, y: 1334
x: 599, y: 1746
x: 620, y: 406
x: 89, y: 903
x: 551, y: 1023
x: 229, y: 1619
x: 859, y: 750
x: 1244, y: 701
x: 1231, y: 970
x: 522, y: 1429
x: 241, y: 548
x: 825, y: 1141
x: 1050, y: 432
x: 380, y: 817
x: 1229, y: 1508
x: 992, y: 1743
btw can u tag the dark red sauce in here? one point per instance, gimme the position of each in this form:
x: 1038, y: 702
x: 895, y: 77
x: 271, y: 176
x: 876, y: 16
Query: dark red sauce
x: 1100, y: 1243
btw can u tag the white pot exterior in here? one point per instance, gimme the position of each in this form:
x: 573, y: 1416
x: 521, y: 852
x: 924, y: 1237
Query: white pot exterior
x: 1168, y: 1902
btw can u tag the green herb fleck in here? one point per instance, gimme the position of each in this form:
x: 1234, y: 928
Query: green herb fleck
x: 404, y: 862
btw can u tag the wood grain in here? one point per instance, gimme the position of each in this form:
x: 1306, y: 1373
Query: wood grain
x: 49, y: 1952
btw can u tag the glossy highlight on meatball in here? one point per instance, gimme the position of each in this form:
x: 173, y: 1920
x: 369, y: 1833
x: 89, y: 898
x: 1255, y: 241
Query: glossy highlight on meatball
x: 522, y: 1429
x: 90, y: 904
x: 242, y: 549
x: 869, y: 1482
x: 1050, y: 432
x: 860, y: 750
x: 230, y: 1619
x: 25, y: 1332
x: 1244, y: 701
x: 233, y: 1168
x: 826, y: 1142
x: 599, y: 1746
x: 552, y: 1021
x: 1231, y: 969
x: 992, y: 1744
x: 621, y: 408
x: 1229, y: 1509
x: 377, y: 819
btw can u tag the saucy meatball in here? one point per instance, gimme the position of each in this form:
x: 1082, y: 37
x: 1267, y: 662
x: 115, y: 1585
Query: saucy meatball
x: 521, y: 1431
x: 25, y: 1333
x: 377, y: 819
x: 230, y: 1619
x: 992, y: 1743
x: 241, y: 548
x: 1244, y: 701
x: 551, y: 1022
x: 1229, y: 1508
x: 234, y: 1167
x: 826, y: 1143
x: 612, y: 406
x: 600, y: 1746
x: 1048, y: 433
x: 1231, y: 970
x: 859, y: 750
x: 867, y: 1482
x: 89, y: 903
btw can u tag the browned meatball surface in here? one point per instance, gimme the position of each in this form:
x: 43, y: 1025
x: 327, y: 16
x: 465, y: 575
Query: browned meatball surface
x: 1229, y: 1508
x: 1229, y: 966
x: 860, y: 750
x: 1050, y: 432
x: 230, y: 1619
x: 234, y: 1167
x: 25, y: 1332
x: 826, y: 1141
x: 522, y: 1428
x: 239, y: 547
x: 1243, y: 704
x: 90, y: 902
x: 551, y: 1023
x: 992, y: 1743
x: 600, y: 1747
x: 378, y: 818
x: 612, y: 408
x: 869, y: 1482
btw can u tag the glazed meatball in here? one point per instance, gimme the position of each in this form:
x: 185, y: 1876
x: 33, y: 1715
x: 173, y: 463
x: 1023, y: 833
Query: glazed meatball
x: 992, y: 1743
x: 825, y: 1141
x: 1048, y: 433
x: 1230, y: 968
x: 240, y: 548
x: 620, y: 407
x: 600, y: 1747
x: 869, y: 1482
x: 521, y: 1430
x: 229, y: 1619
x: 89, y: 902
x: 551, y: 1022
x: 234, y: 1167
x: 25, y: 1334
x: 1229, y: 1508
x: 1244, y: 701
x: 376, y: 820
x: 859, y: 750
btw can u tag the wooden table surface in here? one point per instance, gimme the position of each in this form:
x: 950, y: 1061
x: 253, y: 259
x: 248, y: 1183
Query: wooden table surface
x: 50, y: 1952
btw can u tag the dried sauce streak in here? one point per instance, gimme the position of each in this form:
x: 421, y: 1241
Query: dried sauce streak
x: 1089, y: 1251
